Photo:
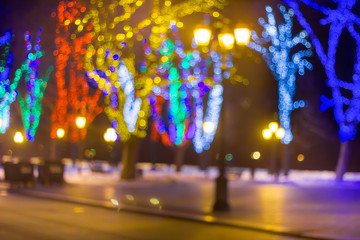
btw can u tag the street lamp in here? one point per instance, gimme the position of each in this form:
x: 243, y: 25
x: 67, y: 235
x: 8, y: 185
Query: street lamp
x: 60, y: 133
x: 18, y: 137
x: 80, y: 124
x: 273, y: 132
x: 110, y: 135
x: 226, y: 42
x: 202, y: 36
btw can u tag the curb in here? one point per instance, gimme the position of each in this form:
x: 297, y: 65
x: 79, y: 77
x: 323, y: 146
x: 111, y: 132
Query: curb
x: 207, y: 219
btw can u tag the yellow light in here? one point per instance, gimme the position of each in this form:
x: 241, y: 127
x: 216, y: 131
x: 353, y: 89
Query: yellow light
x: 154, y: 201
x: 18, y: 137
x: 266, y: 134
x: 67, y: 22
x: 216, y: 14
x: 256, y: 155
x: 157, y: 80
x: 168, y: 3
x: 208, y: 127
x: 202, y: 36
x: 60, y: 133
x: 110, y: 135
x: 226, y: 40
x: 129, y: 197
x: 300, y: 157
x: 242, y: 36
x: 179, y: 24
x: 164, y: 58
x: 80, y: 122
x: 273, y: 126
x: 280, y: 133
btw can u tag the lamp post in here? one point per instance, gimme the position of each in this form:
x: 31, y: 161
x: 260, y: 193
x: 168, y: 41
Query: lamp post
x: 18, y: 139
x: 80, y: 124
x: 226, y: 41
x: 110, y: 136
x: 274, y: 133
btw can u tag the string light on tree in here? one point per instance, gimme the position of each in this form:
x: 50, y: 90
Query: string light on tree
x: 115, y: 40
x: 74, y: 95
x: 31, y: 104
x: 276, y: 45
x: 346, y: 108
x: 7, y: 88
x: 345, y: 93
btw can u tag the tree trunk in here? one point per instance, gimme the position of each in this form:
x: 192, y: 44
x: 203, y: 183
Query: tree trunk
x: 129, y: 159
x: 343, y: 160
x: 286, y: 159
x: 53, y: 150
x: 179, y: 156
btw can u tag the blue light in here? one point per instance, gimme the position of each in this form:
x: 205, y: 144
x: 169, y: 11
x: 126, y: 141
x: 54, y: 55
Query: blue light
x: 7, y: 89
x: 346, y: 111
x: 276, y: 47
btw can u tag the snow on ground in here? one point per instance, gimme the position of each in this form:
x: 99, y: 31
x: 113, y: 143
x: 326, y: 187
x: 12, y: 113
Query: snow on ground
x: 83, y: 174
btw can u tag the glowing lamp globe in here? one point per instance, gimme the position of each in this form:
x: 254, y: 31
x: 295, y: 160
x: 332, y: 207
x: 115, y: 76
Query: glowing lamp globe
x: 242, y: 36
x: 280, y: 133
x: 226, y: 40
x: 202, y: 36
x: 110, y: 135
x: 256, y: 155
x: 266, y: 134
x: 208, y: 127
x: 80, y: 122
x: 60, y: 133
x: 273, y: 126
x: 18, y: 137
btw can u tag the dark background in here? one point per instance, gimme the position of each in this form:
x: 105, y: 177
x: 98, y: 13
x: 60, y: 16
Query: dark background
x: 248, y: 108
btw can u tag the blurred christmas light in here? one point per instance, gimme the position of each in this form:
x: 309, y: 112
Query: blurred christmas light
x: 276, y: 46
x: 346, y: 107
x: 31, y: 103
x: 111, y: 49
x: 74, y: 96
x: 7, y: 88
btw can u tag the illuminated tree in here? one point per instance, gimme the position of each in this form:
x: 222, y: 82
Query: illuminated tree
x: 345, y: 94
x: 276, y: 45
x: 7, y: 89
x: 31, y: 104
x: 115, y: 67
x: 75, y: 98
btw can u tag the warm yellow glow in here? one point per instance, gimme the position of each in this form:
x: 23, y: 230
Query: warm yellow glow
x: 242, y: 36
x: 226, y: 40
x: 60, y: 133
x: 280, y: 133
x: 154, y: 201
x: 300, y: 157
x: 18, y: 137
x: 202, y: 36
x: 110, y: 135
x: 208, y: 127
x: 273, y: 126
x: 80, y: 122
x: 266, y: 134
x: 256, y: 155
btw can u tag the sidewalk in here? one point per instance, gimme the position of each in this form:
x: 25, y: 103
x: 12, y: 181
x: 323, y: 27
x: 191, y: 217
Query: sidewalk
x: 313, y: 209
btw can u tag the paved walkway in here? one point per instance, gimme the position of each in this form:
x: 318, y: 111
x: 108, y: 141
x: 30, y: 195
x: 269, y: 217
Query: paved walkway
x: 317, y: 211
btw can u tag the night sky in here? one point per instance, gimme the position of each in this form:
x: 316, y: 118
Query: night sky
x: 248, y: 108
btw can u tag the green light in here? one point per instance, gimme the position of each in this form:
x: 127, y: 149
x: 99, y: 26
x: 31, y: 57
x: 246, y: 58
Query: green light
x: 228, y: 157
